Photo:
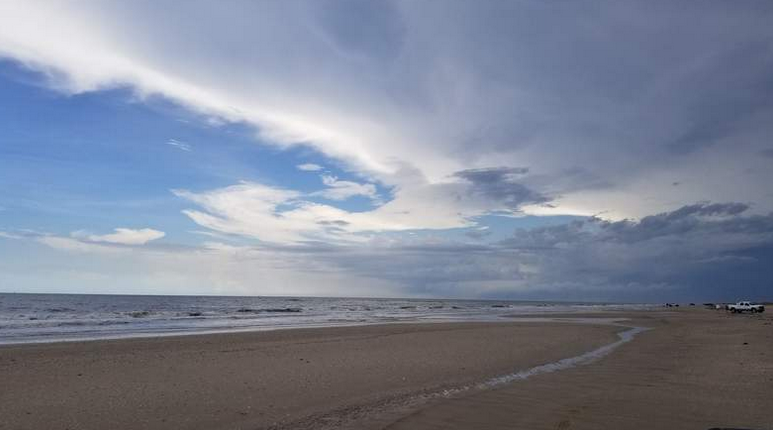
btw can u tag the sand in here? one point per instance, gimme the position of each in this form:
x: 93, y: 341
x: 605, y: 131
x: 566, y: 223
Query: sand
x: 305, y: 378
x: 696, y: 369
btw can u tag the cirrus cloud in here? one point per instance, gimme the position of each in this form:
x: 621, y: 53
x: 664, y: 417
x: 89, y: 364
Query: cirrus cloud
x: 128, y: 236
x: 309, y: 167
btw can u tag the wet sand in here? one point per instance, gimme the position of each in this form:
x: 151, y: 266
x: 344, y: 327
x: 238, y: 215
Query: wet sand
x: 305, y: 378
x: 697, y: 369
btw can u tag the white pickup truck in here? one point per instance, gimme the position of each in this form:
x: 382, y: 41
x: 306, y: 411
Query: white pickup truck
x: 745, y: 307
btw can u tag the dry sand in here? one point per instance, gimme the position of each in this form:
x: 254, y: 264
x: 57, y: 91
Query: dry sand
x: 696, y: 369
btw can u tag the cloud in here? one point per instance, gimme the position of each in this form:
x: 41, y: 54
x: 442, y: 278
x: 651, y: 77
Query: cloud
x: 437, y: 88
x: 446, y: 105
x: 7, y: 235
x: 73, y: 244
x: 249, y: 209
x: 127, y: 236
x: 282, y: 216
x: 279, y: 215
x: 501, y: 184
x: 211, y: 268
x: 705, y: 251
x: 179, y: 145
x: 81, y: 240
x: 309, y: 167
x: 342, y: 190
x: 711, y: 251
x: 675, y: 254
x: 669, y: 249
x: 478, y: 233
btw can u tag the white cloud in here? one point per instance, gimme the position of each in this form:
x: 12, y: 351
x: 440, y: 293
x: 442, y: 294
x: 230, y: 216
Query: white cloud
x: 309, y: 167
x: 342, y: 190
x: 279, y: 215
x: 249, y: 209
x: 127, y: 236
x: 75, y: 244
x: 7, y: 235
x: 178, y: 144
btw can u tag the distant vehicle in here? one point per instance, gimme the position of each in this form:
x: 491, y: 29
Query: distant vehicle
x: 745, y: 307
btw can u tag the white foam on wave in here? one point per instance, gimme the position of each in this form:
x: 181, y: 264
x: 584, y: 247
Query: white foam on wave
x: 42, y: 318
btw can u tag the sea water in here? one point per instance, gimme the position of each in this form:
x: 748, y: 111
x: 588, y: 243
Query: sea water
x: 28, y: 318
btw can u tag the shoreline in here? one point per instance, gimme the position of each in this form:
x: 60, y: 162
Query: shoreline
x: 579, y: 318
x: 47, y: 318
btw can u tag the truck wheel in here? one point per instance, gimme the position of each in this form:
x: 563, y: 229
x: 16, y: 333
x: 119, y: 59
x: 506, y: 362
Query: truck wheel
x: 754, y: 311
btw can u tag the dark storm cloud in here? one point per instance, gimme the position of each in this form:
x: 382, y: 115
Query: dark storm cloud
x: 478, y: 234
x: 673, y: 252
x: 684, y: 220
x: 423, y: 268
x: 492, y: 174
x: 704, y: 251
x: 337, y: 223
x: 501, y: 184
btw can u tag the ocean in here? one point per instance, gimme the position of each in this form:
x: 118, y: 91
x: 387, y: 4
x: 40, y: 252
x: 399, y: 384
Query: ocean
x: 26, y: 318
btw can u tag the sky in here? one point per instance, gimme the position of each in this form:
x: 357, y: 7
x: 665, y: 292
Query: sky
x: 594, y: 151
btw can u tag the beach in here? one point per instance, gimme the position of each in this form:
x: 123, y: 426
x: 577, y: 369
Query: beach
x: 695, y: 368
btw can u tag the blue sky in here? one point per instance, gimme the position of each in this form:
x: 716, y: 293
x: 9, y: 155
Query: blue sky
x: 387, y: 149
x: 96, y: 160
